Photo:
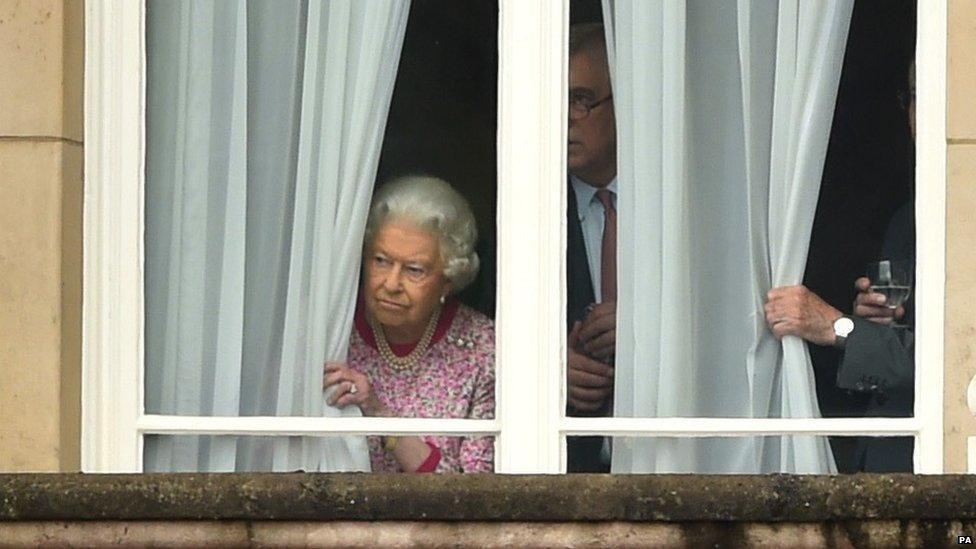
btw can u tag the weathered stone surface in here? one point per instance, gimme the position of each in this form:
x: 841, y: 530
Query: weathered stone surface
x: 863, y: 534
x: 508, y: 498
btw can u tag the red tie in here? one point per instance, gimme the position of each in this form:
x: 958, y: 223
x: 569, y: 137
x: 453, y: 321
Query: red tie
x: 608, y: 255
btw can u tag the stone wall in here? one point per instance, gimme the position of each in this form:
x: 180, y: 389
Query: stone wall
x: 41, y: 66
x: 960, y: 323
x: 359, y: 510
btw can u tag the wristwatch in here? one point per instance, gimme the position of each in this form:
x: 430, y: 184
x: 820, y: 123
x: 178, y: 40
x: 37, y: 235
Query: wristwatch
x: 843, y: 327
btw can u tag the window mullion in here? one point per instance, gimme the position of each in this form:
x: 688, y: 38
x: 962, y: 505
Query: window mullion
x: 112, y: 303
x: 531, y: 239
x: 930, y: 216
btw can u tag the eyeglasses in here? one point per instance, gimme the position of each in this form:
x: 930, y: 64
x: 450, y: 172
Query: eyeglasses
x: 580, y: 107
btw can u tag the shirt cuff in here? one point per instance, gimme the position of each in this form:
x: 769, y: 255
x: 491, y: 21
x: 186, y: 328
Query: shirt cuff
x: 433, y: 460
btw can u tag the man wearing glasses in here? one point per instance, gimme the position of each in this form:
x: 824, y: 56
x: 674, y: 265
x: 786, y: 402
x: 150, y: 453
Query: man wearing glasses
x: 591, y: 242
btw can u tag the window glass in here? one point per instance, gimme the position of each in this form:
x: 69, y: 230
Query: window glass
x: 725, y: 455
x: 224, y: 454
x: 871, y: 160
x: 719, y: 177
x: 277, y: 282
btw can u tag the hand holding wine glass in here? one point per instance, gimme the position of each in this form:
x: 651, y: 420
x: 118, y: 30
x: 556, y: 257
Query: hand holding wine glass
x: 884, y: 291
x: 871, y: 306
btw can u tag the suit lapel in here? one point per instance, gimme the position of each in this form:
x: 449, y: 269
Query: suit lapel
x: 579, y: 291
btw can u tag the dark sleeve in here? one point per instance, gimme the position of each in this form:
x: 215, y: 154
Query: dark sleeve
x: 877, y: 358
x: 899, y: 240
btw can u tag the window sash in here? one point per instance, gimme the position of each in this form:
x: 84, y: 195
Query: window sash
x: 530, y: 331
x: 112, y: 302
x: 152, y: 424
x: 930, y: 239
x: 155, y: 424
x: 531, y: 338
x: 739, y: 427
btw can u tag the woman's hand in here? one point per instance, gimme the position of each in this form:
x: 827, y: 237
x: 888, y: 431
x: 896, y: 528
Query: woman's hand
x: 351, y: 388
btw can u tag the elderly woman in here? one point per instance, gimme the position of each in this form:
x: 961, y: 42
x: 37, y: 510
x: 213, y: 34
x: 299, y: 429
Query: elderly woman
x: 415, y: 351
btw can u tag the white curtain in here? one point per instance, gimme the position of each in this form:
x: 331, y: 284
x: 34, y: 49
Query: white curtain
x: 723, y: 117
x: 264, y: 126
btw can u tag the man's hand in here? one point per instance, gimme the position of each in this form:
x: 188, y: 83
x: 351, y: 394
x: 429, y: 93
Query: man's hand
x: 589, y: 382
x: 598, y: 333
x: 871, y: 305
x: 795, y: 310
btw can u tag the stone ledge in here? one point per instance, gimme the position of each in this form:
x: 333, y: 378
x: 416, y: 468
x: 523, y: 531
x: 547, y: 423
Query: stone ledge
x: 493, y: 498
x: 457, y: 535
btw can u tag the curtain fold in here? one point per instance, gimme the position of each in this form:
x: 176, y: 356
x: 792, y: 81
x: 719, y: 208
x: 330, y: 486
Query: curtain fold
x: 723, y: 114
x: 264, y: 127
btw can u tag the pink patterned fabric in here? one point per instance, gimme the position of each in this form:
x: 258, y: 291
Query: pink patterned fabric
x: 452, y: 380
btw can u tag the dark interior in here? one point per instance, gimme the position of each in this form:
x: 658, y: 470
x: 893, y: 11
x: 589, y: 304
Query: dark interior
x: 442, y: 119
x: 869, y: 172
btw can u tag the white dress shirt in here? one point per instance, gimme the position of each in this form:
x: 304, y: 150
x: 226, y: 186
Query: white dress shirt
x: 591, y: 216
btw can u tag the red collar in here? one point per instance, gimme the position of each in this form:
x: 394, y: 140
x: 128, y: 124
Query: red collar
x: 403, y: 349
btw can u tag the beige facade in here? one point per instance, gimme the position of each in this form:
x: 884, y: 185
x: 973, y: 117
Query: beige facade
x: 459, y: 535
x: 960, y: 322
x: 41, y: 175
x: 41, y: 151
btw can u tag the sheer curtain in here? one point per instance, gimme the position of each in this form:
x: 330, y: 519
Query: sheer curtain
x: 264, y: 126
x: 723, y: 114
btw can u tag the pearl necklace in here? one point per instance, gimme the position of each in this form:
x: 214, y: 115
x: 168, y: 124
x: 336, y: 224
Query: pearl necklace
x: 401, y: 363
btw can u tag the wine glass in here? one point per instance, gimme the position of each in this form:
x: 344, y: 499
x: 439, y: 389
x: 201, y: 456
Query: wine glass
x: 893, y: 279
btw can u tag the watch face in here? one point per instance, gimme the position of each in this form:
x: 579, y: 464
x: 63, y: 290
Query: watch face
x: 843, y: 326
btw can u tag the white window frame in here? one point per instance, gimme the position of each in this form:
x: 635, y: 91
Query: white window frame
x: 530, y: 427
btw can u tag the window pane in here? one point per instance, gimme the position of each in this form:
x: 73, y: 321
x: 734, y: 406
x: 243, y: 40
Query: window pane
x: 871, y: 158
x: 264, y: 148
x: 738, y: 455
x: 425, y: 453
x: 703, y: 167
x: 262, y: 153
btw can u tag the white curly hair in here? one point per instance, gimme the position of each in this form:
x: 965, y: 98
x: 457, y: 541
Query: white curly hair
x: 432, y: 204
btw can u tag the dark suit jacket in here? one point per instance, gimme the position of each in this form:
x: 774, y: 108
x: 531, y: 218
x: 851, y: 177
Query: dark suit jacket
x: 880, y: 360
x: 579, y: 284
x: 583, y: 453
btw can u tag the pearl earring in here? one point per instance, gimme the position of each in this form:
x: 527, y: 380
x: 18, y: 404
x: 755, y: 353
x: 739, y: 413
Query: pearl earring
x: 443, y: 299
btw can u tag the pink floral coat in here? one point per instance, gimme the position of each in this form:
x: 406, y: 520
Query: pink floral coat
x: 454, y: 379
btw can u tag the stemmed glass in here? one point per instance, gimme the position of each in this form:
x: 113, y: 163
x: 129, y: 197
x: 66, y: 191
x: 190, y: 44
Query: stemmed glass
x: 893, y: 279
